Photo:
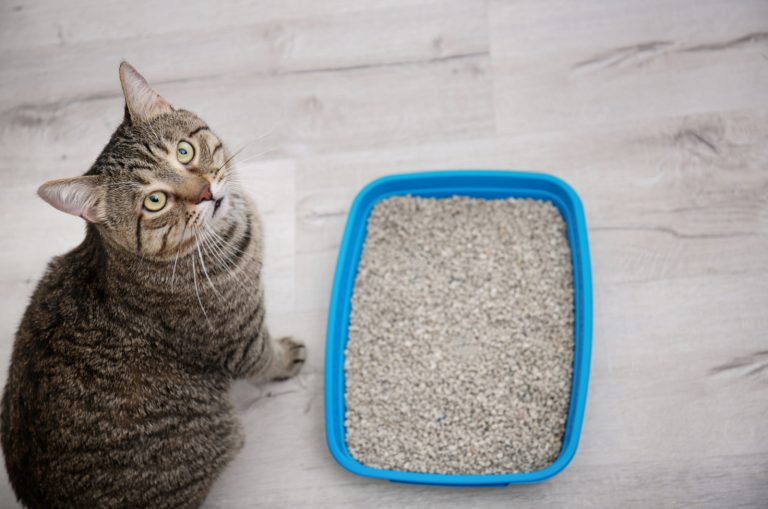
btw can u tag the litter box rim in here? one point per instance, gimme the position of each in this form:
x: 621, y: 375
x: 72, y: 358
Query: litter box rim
x: 488, y: 184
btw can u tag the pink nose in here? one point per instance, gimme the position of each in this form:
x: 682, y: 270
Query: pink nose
x: 205, y: 195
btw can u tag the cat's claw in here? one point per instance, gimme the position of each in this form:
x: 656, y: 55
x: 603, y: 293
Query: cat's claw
x: 293, y: 354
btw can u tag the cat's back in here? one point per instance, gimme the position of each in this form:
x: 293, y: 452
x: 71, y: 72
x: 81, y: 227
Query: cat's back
x: 91, y: 412
x: 47, y: 374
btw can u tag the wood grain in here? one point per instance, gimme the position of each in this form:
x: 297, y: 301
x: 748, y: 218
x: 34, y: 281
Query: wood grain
x: 656, y: 112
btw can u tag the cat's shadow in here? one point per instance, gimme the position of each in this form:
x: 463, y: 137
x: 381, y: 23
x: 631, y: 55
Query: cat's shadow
x: 248, y: 396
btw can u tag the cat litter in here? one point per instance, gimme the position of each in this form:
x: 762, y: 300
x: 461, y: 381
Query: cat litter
x: 460, y: 343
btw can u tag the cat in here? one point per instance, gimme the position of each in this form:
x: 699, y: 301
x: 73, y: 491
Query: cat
x: 117, y: 392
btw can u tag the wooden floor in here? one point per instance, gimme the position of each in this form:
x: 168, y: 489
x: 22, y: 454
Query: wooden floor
x: 655, y: 111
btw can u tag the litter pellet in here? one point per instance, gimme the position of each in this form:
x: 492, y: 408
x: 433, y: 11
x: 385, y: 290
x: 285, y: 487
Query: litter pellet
x: 460, y: 348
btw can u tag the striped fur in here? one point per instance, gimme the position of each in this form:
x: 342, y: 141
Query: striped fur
x: 117, y: 389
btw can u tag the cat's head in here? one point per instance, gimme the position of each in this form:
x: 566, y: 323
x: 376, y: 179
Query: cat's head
x: 162, y: 178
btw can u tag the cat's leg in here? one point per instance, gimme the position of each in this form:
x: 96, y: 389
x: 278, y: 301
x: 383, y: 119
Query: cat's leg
x: 263, y: 359
x: 286, y: 358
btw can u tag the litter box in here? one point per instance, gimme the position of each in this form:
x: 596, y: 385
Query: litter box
x: 442, y: 184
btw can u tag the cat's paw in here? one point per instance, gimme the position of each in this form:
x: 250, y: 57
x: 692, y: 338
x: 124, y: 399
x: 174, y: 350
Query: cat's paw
x: 292, y: 353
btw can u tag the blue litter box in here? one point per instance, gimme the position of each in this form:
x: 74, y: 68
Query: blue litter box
x: 441, y: 184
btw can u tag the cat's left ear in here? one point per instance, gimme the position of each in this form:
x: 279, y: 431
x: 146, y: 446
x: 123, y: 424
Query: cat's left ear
x: 142, y: 102
x: 79, y: 196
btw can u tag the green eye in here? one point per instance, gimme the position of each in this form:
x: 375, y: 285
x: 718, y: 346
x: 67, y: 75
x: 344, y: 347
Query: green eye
x: 184, y: 152
x: 155, y: 201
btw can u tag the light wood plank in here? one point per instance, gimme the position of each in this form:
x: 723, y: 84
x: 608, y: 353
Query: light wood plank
x: 594, y: 63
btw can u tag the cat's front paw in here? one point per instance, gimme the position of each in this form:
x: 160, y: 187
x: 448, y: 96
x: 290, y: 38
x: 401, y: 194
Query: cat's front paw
x: 292, y: 353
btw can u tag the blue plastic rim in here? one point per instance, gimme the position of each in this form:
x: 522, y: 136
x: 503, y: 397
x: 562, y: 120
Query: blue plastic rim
x: 478, y: 184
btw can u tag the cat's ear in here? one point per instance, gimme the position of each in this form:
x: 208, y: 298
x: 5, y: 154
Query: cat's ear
x: 79, y: 196
x: 142, y: 102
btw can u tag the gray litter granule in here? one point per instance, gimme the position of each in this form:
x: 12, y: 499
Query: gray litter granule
x: 460, y: 347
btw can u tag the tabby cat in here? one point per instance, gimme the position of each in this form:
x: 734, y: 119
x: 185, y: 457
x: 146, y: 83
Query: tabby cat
x: 117, y: 393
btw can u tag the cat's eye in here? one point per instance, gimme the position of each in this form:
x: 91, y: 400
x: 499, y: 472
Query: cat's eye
x: 155, y: 201
x: 185, y: 152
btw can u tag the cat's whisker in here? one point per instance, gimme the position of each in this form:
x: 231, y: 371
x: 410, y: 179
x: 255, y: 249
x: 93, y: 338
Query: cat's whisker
x: 260, y: 137
x: 218, y: 237
x: 222, y: 257
x: 231, y: 175
x: 233, y: 185
x: 222, y: 264
x: 214, y: 248
x: 205, y: 270
x: 210, y: 249
x: 229, y: 159
x: 225, y: 179
x: 232, y: 178
x: 197, y: 293
x: 269, y: 131
x: 229, y: 170
x: 250, y: 158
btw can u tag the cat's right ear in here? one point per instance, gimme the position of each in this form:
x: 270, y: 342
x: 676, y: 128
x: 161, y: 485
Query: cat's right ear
x: 142, y: 102
x: 79, y: 196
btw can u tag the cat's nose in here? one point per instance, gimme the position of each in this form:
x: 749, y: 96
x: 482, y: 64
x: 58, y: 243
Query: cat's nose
x: 205, y: 194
